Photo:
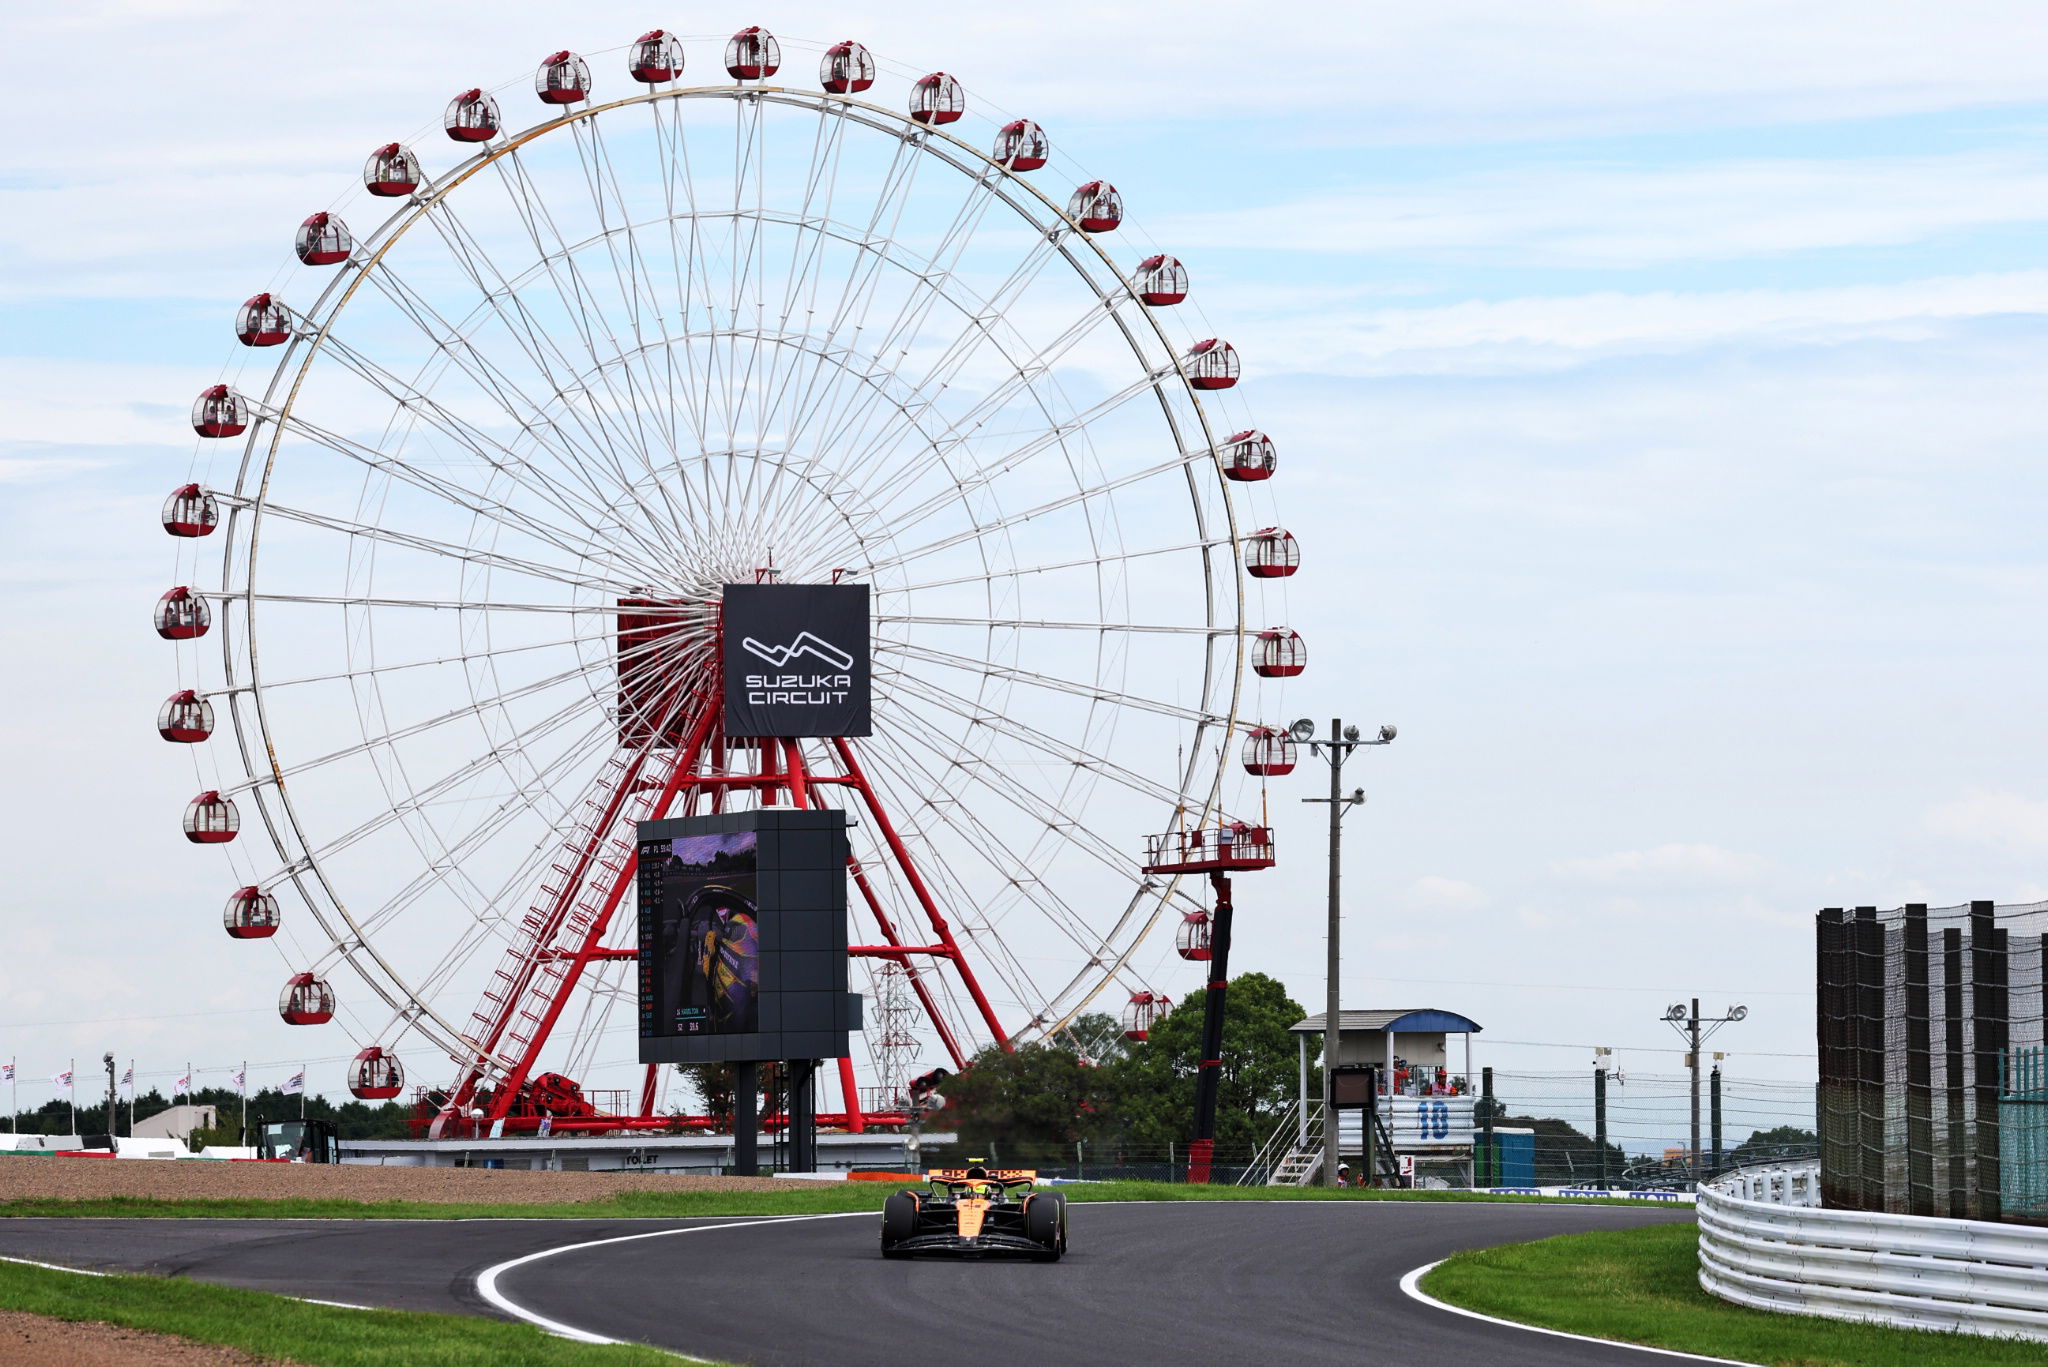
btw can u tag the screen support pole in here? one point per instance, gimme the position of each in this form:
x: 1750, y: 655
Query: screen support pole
x: 802, y: 1114
x: 746, y: 1119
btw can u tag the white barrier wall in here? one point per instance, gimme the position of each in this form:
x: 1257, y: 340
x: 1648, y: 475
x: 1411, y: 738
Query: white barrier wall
x: 1765, y: 1243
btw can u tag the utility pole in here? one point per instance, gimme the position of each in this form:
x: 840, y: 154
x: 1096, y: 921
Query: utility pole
x: 111, y: 1094
x: 1687, y: 1024
x: 1334, y: 751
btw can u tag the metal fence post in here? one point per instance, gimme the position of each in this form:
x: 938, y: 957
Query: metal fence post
x: 1600, y: 1120
x: 1919, y: 1067
x: 1988, y: 1007
x: 1715, y: 1121
x: 1486, y: 1128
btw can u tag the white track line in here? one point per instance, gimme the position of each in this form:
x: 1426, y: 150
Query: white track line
x: 487, y: 1280
x: 1411, y: 1285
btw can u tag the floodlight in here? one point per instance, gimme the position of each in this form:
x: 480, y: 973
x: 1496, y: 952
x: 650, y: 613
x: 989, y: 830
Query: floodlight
x: 1736, y: 1013
x: 1351, y: 733
x: 1387, y: 733
x: 1675, y: 1011
x: 1303, y: 730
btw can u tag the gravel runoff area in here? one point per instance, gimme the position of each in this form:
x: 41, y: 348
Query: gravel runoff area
x: 34, y: 1341
x: 38, y: 1178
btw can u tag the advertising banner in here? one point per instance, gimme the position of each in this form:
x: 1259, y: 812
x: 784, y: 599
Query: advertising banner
x: 796, y: 660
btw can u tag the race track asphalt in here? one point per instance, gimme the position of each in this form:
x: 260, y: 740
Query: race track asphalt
x: 1185, y: 1282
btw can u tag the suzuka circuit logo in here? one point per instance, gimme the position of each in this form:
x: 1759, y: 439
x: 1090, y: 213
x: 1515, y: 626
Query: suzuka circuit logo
x: 803, y: 690
x: 804, y: 644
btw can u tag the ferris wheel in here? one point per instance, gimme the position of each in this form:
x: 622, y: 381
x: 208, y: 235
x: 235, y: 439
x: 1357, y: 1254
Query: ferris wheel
x: 452, y: 565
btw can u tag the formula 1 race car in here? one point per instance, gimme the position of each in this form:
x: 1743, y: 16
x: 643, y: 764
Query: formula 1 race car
x: 976, y: 1212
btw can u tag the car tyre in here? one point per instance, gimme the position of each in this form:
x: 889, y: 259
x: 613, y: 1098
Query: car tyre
x: 1045, y: 1224
x: 899, y: 1222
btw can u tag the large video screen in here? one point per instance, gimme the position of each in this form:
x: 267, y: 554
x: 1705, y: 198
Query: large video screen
x: 708, y: 936
x: 743, y: 937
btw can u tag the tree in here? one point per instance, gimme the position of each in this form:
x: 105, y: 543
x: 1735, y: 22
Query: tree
x: 717, y: 1087
x: 1785, y: 1141
x: 1026, y: 1107
x: 1154, y: 1082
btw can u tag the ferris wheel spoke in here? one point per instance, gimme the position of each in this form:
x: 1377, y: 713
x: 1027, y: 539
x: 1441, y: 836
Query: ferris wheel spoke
x: 1083, y: 494
x: 1008, y: 572
x: 458, y: 346
x: 857, y: 290
x: 1092, y: 691
x: 1028, y: 624
x: 1009, y: 460
x: 372, y: 531
x: 909, y: 786
x: 799, y: 280
x: 493, y: 453
x: 386, y: 739
x: 683, y: 258
x: 470, y: 501
x: 969, y: 711
x: 1003, y: 860
x: 536, y: 342
x: 981, y: 318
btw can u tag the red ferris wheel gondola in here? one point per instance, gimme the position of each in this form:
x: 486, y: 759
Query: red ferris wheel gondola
x: 211, y: 819
x: 251, y: 914
x: 846, y: 69
x: 752, y: 54
x: 1021, y: 145
x: 1097, y: 207
x: 1161, y: 281
x: 1140, y: 1014
x: 937, y: 98
x: 306, y: 1000
x: 1271, y: 553
x: 375, y: 1074
x: 655, y: 57
x: 191, y: 511
x: 1191, y: 941
x: 1268, y: 753
x: 220, y: 412
x: 1249, y: 456
x: 392, y: 172
x: 1279, y: 654
x: 472, y: 116
x: 323, y: 240
x: 263, y: 321
x: 1211, y: 364
x: 182, y: 615
x: 562, y: 78
x: 185, y: 718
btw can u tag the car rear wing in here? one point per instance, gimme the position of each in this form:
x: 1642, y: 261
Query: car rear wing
x: 1009, y: 1177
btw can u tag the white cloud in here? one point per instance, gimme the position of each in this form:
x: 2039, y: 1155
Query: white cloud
x: 1538, y: 333
x: 1637, y: 215
x: 2001, y: 819
x: 1664, y: 865
x: 1433, y: 893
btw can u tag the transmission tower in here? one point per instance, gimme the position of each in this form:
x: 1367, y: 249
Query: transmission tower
x: 894, y: 1038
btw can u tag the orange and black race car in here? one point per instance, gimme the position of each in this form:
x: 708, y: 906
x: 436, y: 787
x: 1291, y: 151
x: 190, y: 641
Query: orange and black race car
x: 976, y: 1212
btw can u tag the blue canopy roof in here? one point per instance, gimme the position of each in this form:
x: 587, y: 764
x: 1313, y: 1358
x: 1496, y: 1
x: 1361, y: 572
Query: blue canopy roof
x: 1425, y: 1020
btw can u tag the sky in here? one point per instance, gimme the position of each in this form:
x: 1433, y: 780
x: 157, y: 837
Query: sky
x: 1658, y: 392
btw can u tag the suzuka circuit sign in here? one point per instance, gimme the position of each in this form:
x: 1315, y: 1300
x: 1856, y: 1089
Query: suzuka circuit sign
x: 796, y: 660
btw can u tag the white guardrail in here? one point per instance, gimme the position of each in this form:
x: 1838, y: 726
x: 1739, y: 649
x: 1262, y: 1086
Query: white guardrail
x: 1765, y: 1243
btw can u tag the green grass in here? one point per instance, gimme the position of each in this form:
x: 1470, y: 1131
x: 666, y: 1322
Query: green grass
x: 803, y: 1198
x: 1642, y: 1286
x: 317, y: 1335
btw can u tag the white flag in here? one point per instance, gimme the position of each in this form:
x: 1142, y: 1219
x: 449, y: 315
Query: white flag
x: 294, y: 1084
x: 6, y: 1072
x: 63, y: 1080
x: 128, y: 1080
x: 239, y: 1076
x: 183, y: 1086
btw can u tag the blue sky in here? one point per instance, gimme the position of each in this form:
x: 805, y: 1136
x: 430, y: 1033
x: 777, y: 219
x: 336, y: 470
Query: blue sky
x: 1659, y: 390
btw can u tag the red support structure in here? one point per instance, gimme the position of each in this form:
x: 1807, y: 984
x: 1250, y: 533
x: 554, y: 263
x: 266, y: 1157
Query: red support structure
x: 566, y: 931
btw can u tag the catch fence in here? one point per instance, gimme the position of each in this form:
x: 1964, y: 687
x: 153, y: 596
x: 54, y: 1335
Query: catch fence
x: 1933, y: 1096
